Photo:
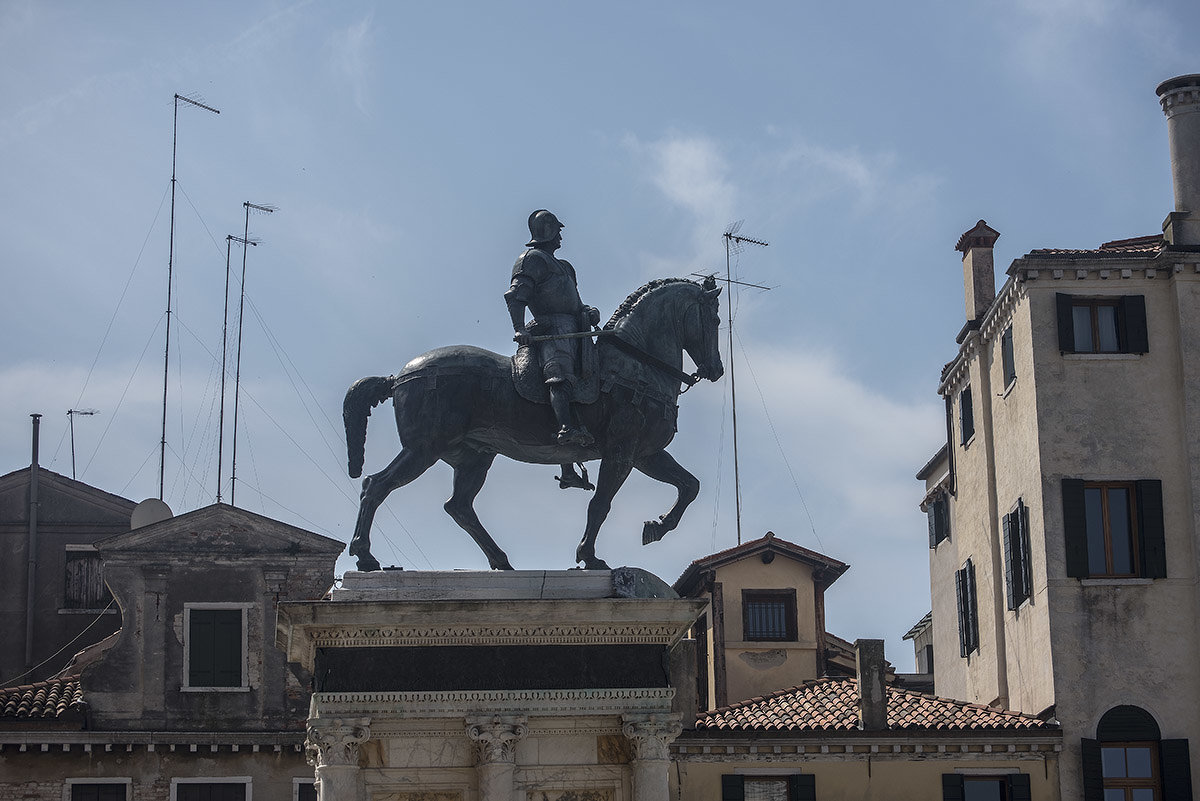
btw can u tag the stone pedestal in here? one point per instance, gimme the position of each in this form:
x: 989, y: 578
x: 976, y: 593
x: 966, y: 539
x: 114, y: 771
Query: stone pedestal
x: 499, y: 686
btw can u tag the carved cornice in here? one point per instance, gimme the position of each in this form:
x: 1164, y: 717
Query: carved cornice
x: 335, y: 741
x: 652, y: 735
x: 496, y: 737
x: 530, y: 634
x: 452, y: 704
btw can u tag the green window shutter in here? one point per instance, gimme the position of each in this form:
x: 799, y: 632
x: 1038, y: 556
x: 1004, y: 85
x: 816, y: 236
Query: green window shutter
x: 733, y: 787
x: 1151, y: 530
x: 1018, y: 787
x: 1135, y: 336
x: 1075, y: 527
x: 1010, y: 568
x: 1066, y: 323
x: 201, y: 643
x: 1093, y: 776
x: 215, y: 648
x: 1026, y: 551
x: 802, y: 787
x: 931, y: 515
x: 960, y: 599
x: 1176, y: 770
x: 966, y: 415
x: 952, y: 787
x: 972, y: 601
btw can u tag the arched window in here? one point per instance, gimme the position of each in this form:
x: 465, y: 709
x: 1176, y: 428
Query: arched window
x: 1129, y: 760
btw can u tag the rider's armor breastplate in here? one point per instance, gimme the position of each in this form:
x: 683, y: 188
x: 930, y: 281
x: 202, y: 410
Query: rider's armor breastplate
x: 552, y: 281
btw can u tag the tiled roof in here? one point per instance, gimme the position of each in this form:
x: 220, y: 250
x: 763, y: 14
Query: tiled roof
x: 920, y: 626
x: 829, y: 568
x: 832, y: 705
x: 45, y: 699
x: 1137, y: 246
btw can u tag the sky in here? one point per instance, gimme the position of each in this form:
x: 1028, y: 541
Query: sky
x: 405, y: 144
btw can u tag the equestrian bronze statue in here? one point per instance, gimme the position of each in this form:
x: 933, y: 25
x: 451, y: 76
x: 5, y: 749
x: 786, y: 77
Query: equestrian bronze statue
x: 464, y: 405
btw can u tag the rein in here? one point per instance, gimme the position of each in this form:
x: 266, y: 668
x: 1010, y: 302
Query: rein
x: 649, y: 358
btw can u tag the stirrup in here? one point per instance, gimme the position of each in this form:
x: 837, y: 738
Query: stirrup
x: 572, y: 481
x: 575, y: 436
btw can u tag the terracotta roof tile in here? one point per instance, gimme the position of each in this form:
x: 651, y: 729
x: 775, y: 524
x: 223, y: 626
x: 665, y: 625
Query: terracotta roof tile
x: 832, y: 705
x: 44, y: 699
x: 1136, y: 246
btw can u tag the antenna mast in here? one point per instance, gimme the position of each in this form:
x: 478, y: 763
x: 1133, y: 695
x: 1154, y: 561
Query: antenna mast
x: 162, y: 458
x: 237, y: 378
x: 224, y: 351
x: 733, y: 244
x: 71, y: 418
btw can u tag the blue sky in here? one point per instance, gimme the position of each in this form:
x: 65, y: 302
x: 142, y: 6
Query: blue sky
x: 405, y: 144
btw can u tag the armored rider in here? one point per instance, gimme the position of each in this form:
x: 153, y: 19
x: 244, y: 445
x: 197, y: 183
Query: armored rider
x: 547, y: 287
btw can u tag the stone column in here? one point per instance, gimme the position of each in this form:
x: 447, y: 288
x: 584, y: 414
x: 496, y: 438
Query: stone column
x: 651, y: 736
x: 332, y: 749
x: 496, y: 739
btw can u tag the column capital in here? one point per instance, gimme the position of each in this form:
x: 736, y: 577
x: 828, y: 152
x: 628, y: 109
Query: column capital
x: 496, y: 737
x: 651, y: 734
x: 335, y: 741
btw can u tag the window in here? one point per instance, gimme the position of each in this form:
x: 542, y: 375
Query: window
x: 925, y: 659
x: 1018, y: 573
x: 937, y: 510
x: 214, y: 650
x: 1111, y: 324
x: 966, y: 416
x: 83, y: 582
x: 1114, y: 529
x: 1128, y: 760
x: 968, y: 609
x: 769, y: 615
x: 1013, y: 787
x: 799, y: 787
x: 1006, y: 357
x: 304, y: 789
x: 97, y: 790
x: 232, y: 789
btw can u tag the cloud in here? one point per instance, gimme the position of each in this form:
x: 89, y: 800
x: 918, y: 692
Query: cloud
x: 349, y: 56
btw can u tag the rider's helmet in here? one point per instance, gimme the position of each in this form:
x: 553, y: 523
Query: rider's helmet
x: 543, y: 227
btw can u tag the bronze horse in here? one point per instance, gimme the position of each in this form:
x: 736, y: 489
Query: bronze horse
x: 458, y: 404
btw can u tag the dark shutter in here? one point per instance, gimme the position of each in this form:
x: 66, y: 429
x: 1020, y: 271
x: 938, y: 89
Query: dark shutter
x: 972, y: 608
x: 306, y: 791
x: 802, y: 787
x: 1135, y: 337
x: 1010, y: 569
x: 1176, y: 770
x: 215, y: 648
x: 952, y: 787
x: 1151, y: 533
x: 1093, y: 775
x: 952, y: 486
x: 960, y: 599
x: 1066, y: 323
x: 97, y: 792
x: 1075, y: 527
x: 1026, y: 551
x: 733, y: 788
x: 931, y: 513
x: 966, y: 414
x: 1018, y: 787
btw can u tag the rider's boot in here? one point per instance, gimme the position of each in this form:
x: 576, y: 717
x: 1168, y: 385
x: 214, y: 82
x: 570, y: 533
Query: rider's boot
x: 570, y: 479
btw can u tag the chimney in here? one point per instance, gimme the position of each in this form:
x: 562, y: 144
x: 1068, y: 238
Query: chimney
x: 979, y: 273
x: 872, y: 687
x: 1180, y: 98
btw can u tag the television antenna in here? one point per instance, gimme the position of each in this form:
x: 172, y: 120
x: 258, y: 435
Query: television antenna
x: 229, y: 240
x: 735, y: 244
x: 71, y: 418
x: 162, y: 458
x: 237, y: 376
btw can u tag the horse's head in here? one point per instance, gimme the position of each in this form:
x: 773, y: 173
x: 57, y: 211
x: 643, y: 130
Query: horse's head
x: 701, y: 325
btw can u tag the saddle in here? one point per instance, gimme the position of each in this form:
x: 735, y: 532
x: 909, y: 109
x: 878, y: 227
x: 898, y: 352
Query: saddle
x: 531, y: 384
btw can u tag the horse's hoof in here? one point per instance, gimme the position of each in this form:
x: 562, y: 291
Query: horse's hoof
x: 367, y: 563
x: 502, y: 564
x: 595, y: 563
x: 652, y: 531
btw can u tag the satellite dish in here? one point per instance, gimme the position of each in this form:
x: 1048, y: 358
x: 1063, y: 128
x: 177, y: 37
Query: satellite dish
x: 149, y: 511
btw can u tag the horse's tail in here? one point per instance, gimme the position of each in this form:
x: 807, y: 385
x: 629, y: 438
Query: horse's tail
x: 363, y: 395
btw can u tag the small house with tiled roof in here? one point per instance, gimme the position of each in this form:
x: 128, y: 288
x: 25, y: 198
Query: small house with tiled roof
x: 765, y: 626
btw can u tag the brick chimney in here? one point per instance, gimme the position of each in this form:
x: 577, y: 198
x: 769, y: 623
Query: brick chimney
x: 979, y: 273
x: 1180, y: 98
x: 872, y: 684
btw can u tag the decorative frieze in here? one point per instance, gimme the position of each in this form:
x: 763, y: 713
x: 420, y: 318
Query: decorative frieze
x: 385, y: 705
x: 533, y: 634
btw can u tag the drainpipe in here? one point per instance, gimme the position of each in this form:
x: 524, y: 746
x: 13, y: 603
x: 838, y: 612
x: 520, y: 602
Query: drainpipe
x: 33, y: 518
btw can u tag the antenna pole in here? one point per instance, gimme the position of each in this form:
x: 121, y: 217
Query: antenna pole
x: 730, y: 240
x: 162, y: 457
x: 71, y: 418
x: 237, y: 378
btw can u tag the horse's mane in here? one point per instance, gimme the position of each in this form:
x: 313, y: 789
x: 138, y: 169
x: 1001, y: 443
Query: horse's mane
x: 638, y: 294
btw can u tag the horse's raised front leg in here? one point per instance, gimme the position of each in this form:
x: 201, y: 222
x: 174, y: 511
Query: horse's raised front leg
x: 612, y: 475
x: 408, y: 465
x: 663, y: 467
x: 470, y: 471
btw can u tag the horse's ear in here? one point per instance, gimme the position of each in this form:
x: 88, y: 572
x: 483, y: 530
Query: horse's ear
x: 712, y: 294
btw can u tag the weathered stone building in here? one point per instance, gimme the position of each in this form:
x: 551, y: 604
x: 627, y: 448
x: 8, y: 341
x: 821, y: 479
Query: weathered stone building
x: 1064, y: 512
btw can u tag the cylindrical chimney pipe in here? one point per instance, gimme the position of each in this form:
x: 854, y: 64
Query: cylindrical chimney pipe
x: 31, y: 574
x: 1180, y: 98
